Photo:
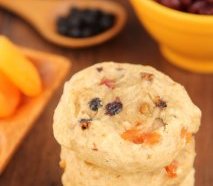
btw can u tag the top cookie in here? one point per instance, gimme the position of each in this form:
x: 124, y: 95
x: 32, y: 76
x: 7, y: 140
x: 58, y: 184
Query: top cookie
x: 125, y: 117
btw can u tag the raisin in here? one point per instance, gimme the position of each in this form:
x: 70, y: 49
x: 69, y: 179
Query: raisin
x: 114, y: 107
x: 85, y: 123
x: 160, y: 103
x: 95, y: 104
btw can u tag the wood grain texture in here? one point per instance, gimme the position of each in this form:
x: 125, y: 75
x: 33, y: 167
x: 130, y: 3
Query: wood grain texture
x: 36, y: 161
x: 51, y: 10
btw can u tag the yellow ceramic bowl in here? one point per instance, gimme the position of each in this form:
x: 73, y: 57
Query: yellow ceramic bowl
x: 185, y: 39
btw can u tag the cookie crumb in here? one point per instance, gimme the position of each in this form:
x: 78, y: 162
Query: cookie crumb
x: 85, y: 123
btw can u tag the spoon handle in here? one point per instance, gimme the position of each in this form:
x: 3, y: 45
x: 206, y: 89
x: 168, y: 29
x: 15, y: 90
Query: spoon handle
x: 27, y: 9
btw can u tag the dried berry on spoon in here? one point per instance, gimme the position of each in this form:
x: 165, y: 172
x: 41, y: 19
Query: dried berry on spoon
x: 81, y: 23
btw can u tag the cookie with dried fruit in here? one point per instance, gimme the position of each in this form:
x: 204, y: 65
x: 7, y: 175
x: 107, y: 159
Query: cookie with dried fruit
x: 136, y: 112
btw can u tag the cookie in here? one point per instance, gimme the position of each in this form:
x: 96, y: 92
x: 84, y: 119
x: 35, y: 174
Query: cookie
x: 125, y: 118
x: 77, y: 172
x: 189, y: 180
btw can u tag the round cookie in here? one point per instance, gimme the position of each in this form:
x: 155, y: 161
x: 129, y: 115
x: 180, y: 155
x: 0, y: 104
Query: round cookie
x: 184, y: 164
x: 81, y: 173
x: 124, y: 117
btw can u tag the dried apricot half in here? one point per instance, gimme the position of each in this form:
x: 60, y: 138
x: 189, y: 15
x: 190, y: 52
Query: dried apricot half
x: 19, y: 69
x: 9, y: 96
x: 139, y: 137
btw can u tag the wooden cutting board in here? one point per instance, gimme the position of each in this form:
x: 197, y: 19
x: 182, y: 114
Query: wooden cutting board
x: 53, y: 69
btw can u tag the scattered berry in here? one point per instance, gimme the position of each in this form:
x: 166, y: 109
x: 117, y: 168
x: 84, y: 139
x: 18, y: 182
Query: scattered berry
x: 114, y: 107
x: 160, y: 103
x: 95, y: 104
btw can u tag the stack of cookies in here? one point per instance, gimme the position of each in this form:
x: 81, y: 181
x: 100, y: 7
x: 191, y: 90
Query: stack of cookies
x: 126, y: 125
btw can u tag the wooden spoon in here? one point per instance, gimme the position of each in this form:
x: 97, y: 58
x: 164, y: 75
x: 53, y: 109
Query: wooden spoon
x: 43, y: 16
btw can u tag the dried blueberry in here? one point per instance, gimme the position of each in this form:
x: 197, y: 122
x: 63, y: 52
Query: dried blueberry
x: 87, y: 32
x: 81, y: 23
x: 85, y: 123
x: 74, y: 11
x: 88, y: 17
x: 160, y: 103
x: 107, y: 21
x: 114, y: 107
x: 75, y: 32
x: 62, y: 26
x: 95, y: 104
x: 74, y: 22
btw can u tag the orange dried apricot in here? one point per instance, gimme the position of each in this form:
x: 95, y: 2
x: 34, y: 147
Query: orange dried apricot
x: 19, y: 69
x: 171, y: 169
x: 9, y: 96
x: 139, y: 137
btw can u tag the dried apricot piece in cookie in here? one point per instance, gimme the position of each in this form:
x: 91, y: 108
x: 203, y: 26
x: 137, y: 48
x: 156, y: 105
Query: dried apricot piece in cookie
x: 171, y: 169
x: 19, y: 69
x: 9, y: 96
x: 138, y: 137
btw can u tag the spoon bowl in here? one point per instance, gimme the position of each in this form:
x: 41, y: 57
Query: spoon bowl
x: 43, y: 16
